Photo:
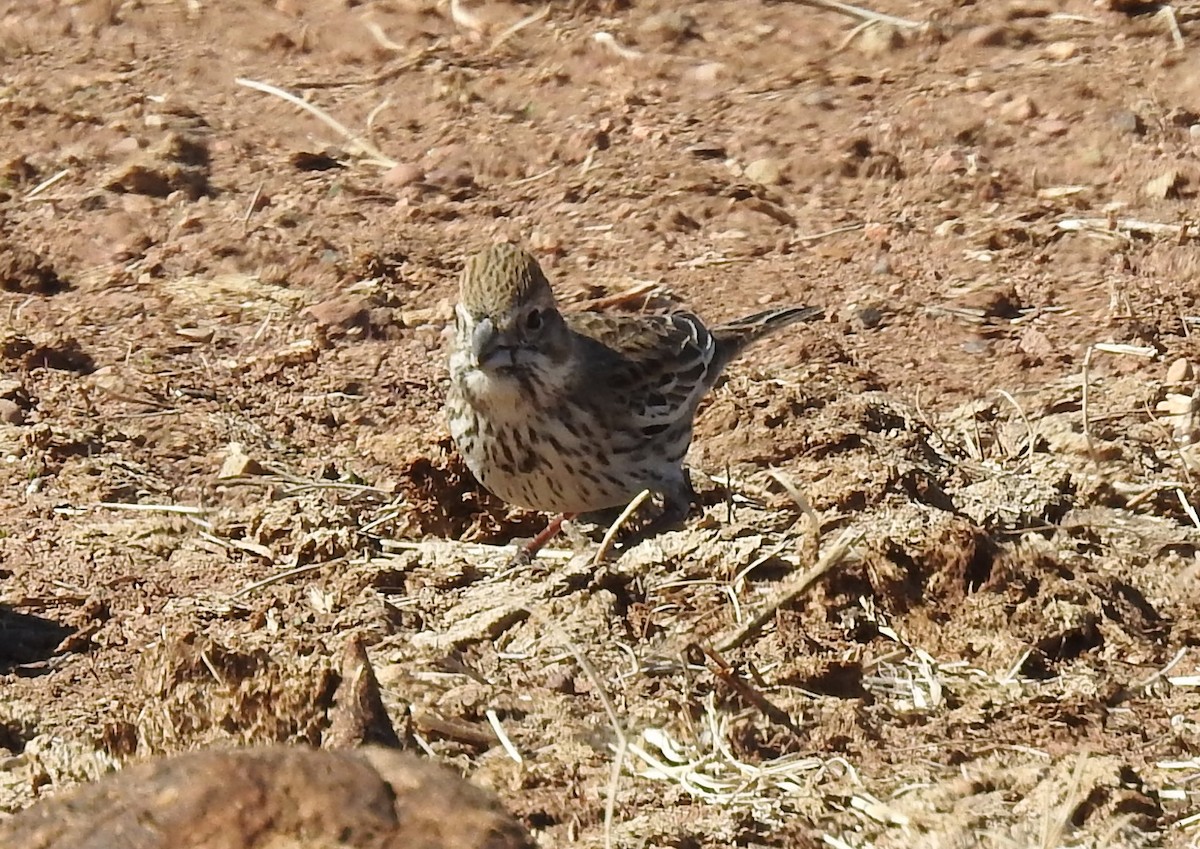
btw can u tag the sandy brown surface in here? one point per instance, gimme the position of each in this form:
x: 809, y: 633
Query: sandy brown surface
x: 222, y: 347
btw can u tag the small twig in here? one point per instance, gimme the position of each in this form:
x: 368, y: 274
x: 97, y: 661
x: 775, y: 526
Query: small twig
x: 861, y: 14
x: 614, y: 777
x: 47, y: 183
x: 528, y: 20
x: 377, y: 157
x: 1126, y: 350
x: 610, y: 536
x: 735, y: 584
x: 641, y: 290
x: 1158, y: 674
x: 835, y: 555
x: 525, y: 180
x: 836, y: 231
x: 1167, y: 12
x: 281, y: 576
x: 464, y: 18
x: 1033, y: 434
x: 381, y: 37
x: 1055, y: 822
x: 725, y: 671
x: 375, y: 113
x: 1188, y: 508
x: 798, y: 496
x: 252, y: 205
x: 1122, y: 225
x: 182, y: 509
x: 853, y: 34
x: 509, y: 748
x: 386, y: 75
x: 474, y: 548
x: 1169, y: 438
x: 1087, y: 429
x: 606, y: 40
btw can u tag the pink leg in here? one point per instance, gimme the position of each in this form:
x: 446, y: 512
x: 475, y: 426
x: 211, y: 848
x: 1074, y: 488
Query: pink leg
x: 530, y: 550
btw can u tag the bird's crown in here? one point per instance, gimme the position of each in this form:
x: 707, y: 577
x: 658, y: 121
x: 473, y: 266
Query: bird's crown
x: 501, y: 277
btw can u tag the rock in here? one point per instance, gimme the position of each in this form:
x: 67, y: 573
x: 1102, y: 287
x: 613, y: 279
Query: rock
x: 11, y: 412
x: 989, y: 35
x: 950, y: 227
x: 767, y: 171
x: 341, y: 313
x: 1036, y: 344
x: 402, y: 175
x: 1180, y: 371
x: 949, y: 162
x: 994, y: 301
x: 868, y: 317
x: 272, y: 796
x: 706, y: 73
x: 706, y: 150
x: 178, y: 163
x: 1053, y: 127
x: 1165, y: 185
x: 879, y: 40
x: 440, y: 314
x: 1060, y: 51
x: 358, y: 716
x: 675, y: 220
x: 1129, y: 122
x: 122, y: 236
x: 26, y: 272
x: 671, y: 26
x: 1020, y: 109
x: 238, y: 464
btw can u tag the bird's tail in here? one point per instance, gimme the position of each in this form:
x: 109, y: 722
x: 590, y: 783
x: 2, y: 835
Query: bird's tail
x: 732, y: 337
x: 739, y: 333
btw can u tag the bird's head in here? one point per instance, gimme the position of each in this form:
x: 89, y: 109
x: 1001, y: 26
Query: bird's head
x: 506, y: 319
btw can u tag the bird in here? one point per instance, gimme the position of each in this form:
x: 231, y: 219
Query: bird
x: 579, y: 412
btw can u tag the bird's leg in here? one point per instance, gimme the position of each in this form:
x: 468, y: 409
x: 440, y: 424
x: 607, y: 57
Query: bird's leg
x: 677, y: 503
x: 530, y: 549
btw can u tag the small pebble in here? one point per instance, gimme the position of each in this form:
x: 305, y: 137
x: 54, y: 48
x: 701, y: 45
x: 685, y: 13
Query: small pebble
x: 669, y: 26
x: 766, y: 171
x: 1021, y: 108
x: 404, y: 174
x: 339, y: 313
x: 869, y: 317
x: 1061, y: 50
x: 1054, y: 127
x: 1180, y: 371
x: 1129, y: 122
x: 989, y: 35
x: 1165, y: 185
x: 237, y: 464
x: 11, y: 412
x: 949, y: 162
x: 879, y: 41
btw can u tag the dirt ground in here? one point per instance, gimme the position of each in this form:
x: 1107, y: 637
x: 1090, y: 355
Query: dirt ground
x: 223, y: 364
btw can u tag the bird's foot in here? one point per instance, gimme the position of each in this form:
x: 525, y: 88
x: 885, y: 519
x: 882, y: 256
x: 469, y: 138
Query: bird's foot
x: 529, y: 551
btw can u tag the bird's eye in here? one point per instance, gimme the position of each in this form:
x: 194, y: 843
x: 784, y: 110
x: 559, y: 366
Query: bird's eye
x: 534, y: 320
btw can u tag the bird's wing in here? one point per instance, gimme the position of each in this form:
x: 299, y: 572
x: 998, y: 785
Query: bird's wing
x: 656, y: 367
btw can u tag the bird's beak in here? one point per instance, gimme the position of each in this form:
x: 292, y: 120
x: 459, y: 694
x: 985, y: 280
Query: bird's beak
x: 488, y: 346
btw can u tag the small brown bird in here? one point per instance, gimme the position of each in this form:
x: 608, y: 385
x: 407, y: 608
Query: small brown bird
x: 579, y: 412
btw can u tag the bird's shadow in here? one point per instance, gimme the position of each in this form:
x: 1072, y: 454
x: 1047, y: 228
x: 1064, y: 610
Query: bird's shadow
x: 28, y: 642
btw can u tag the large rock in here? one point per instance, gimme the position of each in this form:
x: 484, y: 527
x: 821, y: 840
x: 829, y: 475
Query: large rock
x: 272, y: 797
